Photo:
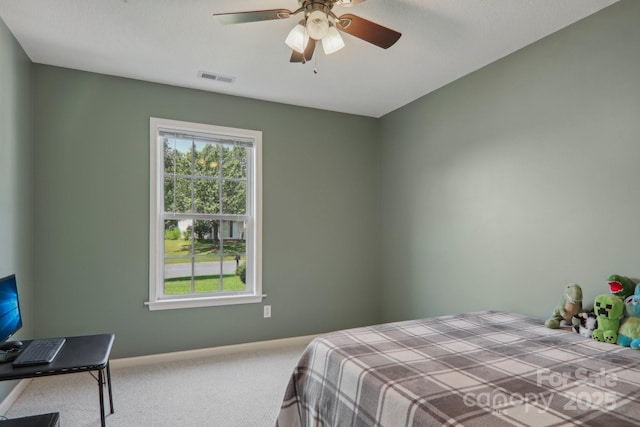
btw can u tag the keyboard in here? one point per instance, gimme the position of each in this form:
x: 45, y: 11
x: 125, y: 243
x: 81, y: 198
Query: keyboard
x: 39, y: 352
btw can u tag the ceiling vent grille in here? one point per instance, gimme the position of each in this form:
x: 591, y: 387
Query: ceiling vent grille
x: 216, y: 77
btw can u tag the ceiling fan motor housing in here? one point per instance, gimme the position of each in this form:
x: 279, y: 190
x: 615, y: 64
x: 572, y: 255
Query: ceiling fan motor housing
x: 317, y: 19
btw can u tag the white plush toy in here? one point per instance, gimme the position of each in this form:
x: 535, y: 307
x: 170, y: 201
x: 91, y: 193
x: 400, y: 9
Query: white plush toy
x: 585, y: 323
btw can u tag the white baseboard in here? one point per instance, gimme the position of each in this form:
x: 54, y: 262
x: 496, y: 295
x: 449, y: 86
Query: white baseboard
x: 11, y: 398
x: 207, y: 352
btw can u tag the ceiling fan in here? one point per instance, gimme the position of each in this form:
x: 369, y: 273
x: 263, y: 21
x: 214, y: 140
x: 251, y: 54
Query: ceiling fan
x: 319, y: 24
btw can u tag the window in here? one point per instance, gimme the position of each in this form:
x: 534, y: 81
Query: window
x: 205, y: 215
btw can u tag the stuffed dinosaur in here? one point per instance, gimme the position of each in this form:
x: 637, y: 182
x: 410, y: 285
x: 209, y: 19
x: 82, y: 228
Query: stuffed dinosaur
x: 629, y: 333
x: 609, y: 309
x: 570, y: 305
x: 620, y: 286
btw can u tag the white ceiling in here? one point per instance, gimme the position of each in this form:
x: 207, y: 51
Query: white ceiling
x: 170, y: 41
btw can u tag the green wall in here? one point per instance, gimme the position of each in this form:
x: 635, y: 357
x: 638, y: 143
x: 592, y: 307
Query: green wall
x: 506, y: 185
x: 492, y: 192
x: 92, y: 203
x: 16, y: 170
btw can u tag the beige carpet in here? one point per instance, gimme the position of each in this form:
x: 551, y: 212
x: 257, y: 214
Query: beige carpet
x: 237, y: 389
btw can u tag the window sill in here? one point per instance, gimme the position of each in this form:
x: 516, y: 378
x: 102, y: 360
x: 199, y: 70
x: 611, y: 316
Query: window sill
x: 173, y: 304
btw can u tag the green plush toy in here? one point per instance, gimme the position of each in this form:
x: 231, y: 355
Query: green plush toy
x: 621, y: 286
x: 609, y: 309
x: 570, y: 305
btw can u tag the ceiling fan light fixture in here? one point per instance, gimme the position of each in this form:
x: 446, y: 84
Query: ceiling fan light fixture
x: 298, y: 38
x: 317, y: 24
x: 332, y: 42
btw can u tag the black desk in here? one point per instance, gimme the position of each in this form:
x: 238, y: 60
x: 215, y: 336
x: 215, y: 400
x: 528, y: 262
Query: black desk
x: 78, y: 354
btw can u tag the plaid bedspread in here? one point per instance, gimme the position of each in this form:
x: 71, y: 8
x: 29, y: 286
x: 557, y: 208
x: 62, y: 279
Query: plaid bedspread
x: 478, y: 369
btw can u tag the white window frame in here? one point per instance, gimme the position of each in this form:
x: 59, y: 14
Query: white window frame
x: 253, y: 294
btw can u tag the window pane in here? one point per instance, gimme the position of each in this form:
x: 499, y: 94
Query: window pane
x: 207, y: 159
x: 169, y: 195
x: 177, y: 239
x: 177, y: 285
x: 233, y: 283
x: 234, y: 248
x: 183, y: 149
x: 234, y: 197
x: 234, y: 162
x: 207, y: 266
x: 207, y: 276
x: 207, y: 196
x: 177, y: 196
x: 169, y: 155
x: 172, y: 235
x: 178, y: 259
x: 177, y: 276
x: 233, y: 233
x: 181, y: 269
x: 204, y: 236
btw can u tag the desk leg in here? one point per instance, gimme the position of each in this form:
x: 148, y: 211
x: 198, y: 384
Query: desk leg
x: 101, y: 392
x: 109, y: 387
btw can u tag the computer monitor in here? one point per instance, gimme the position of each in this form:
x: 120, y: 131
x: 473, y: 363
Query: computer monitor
x: 10, y: 318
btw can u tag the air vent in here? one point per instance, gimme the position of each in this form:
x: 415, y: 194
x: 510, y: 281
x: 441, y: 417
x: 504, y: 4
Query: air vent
x: 216, y: 77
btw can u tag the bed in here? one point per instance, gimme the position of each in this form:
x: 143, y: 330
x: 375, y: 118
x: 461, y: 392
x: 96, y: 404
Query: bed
x: 479, y: 369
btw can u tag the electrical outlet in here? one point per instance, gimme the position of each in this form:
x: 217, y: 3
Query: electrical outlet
x: 267, y: 311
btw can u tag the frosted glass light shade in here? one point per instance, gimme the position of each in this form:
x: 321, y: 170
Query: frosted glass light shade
x: 298, y: 38
x: 332, y: 42
x: 317, y: 25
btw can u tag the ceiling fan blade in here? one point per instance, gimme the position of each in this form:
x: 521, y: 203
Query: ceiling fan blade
x: 349, y: 3
x: 368, y: 31
x: 252, y: 16
x: 308, y: 53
